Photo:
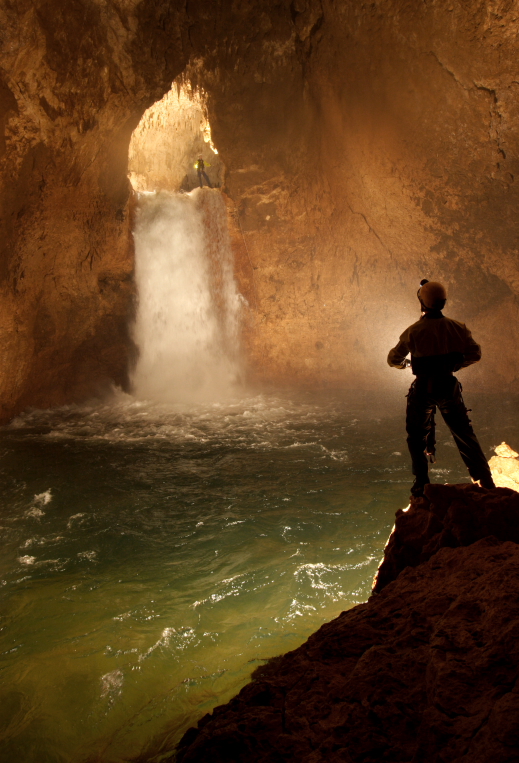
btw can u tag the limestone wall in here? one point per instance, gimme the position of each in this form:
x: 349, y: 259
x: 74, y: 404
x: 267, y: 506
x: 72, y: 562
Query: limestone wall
x: 374, y: 145
x: 75, y: 78
x: 366, y: 145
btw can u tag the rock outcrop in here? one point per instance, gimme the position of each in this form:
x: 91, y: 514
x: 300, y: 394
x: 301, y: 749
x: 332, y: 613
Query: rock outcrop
x: 447, y: 516
x: 425, y: 671
x: 505, y: 467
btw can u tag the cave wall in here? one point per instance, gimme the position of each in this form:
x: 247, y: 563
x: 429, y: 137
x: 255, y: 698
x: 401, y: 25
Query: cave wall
x: 74, y: 81
x: 366, y: 145
x: 377, y: 147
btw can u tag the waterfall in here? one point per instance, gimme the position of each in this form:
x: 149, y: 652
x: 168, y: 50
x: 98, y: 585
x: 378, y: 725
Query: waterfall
x: 187, y: 321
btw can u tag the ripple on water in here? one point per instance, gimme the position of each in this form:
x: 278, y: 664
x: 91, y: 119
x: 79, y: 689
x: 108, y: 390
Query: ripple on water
x: 175, y: 550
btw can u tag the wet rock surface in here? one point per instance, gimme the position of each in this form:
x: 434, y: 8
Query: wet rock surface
x: 425, y: 670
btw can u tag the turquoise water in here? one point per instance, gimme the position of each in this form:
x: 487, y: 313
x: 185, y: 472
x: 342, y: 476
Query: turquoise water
x: 153, y: 556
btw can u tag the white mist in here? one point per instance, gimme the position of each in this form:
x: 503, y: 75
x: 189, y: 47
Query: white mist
x: 187, y: 322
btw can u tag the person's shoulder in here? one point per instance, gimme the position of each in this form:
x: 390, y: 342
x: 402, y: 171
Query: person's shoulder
x: 419, y: 324
x: 459, y: 324
x: 411, y: 330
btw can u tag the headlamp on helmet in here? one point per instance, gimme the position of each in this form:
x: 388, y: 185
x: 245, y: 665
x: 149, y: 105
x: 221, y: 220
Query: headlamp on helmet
x: 432, y: 295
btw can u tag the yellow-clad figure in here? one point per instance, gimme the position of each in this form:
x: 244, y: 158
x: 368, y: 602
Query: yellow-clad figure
x: 200, y: 166
x: 438, y: 346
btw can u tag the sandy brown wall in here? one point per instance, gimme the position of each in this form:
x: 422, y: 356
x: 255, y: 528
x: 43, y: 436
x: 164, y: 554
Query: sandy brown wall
x: 367, y: 145
x: 75, y: 79
x: 377, y: 147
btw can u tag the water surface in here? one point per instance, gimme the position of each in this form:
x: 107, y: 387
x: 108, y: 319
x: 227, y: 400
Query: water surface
x: 154, y: 556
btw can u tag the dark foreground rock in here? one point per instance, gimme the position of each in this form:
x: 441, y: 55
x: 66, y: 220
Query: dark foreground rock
x: 424, y: 672
x: 447, y: 516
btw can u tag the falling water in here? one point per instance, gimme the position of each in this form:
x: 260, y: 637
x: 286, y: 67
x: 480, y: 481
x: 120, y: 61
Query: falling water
x: 187, y: 326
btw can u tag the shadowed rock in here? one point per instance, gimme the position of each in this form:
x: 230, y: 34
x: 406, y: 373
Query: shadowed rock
x: 447, y: 516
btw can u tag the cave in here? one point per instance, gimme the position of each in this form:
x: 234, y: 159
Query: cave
x: 365, y: 147
x: 354, y: 149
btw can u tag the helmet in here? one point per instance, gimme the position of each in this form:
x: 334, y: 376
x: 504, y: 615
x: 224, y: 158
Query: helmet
x: 432, y: 295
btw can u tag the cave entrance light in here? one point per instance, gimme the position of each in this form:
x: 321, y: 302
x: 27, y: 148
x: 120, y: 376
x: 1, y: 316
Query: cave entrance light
x: 168, y: 140
x: 187, y: 324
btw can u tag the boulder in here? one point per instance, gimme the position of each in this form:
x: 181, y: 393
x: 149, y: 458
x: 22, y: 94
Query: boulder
x: 447, y: 516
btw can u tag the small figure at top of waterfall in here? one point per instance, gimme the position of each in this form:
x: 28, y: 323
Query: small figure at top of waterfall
x: 438, y: 346
x: 200, y: 166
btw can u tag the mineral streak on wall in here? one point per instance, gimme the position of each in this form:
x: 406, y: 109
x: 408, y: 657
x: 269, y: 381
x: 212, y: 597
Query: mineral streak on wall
x: 366, y: 145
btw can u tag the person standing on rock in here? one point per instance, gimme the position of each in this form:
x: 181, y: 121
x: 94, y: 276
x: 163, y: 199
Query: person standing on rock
x: 439, y: 346
x: 200, y: 168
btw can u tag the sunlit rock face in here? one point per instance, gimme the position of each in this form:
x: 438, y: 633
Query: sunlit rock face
x: 373, y: 146
x: 505, y: 467
x: 366, y: 146
x: 424, y: 670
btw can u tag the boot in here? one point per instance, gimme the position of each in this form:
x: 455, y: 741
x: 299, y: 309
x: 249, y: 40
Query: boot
x: 418, y: 486
x: 486, y: 482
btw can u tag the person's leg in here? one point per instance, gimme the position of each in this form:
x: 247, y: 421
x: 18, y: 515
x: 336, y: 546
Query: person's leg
x: 456, y: 417
x: 207, y: 180
x: 419, y: 424
x: 200, y: 181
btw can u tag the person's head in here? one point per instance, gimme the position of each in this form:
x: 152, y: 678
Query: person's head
x: 432, y: 295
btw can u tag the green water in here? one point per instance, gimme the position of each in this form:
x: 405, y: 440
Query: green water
x: 153, y: 557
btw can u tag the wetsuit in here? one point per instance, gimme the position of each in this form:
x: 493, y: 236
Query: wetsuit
x: 438, y: 346
x: 200, y: 168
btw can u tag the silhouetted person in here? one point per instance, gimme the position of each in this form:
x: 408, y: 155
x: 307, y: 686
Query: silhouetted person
x: 439, y: 346
x: 200, y: 168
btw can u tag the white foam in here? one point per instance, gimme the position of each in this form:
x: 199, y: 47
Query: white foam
x: 188, y: 311
x: 35, y: 512
x: 75, y: 519
x: 112, y: 683
x: 89, y: 556
x: 42, y: 541
x: 43, y: 498
x: 183, y: 638
x: 259, y: 422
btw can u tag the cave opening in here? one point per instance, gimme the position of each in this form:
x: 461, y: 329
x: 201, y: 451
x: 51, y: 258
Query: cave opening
x: 171, y: 136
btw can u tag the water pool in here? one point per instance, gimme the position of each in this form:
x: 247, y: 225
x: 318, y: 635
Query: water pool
x: 153, y: 556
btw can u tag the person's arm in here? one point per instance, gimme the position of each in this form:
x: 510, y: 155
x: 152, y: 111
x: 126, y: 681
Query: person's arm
x: 471, y: 352
x: 397, y: 356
